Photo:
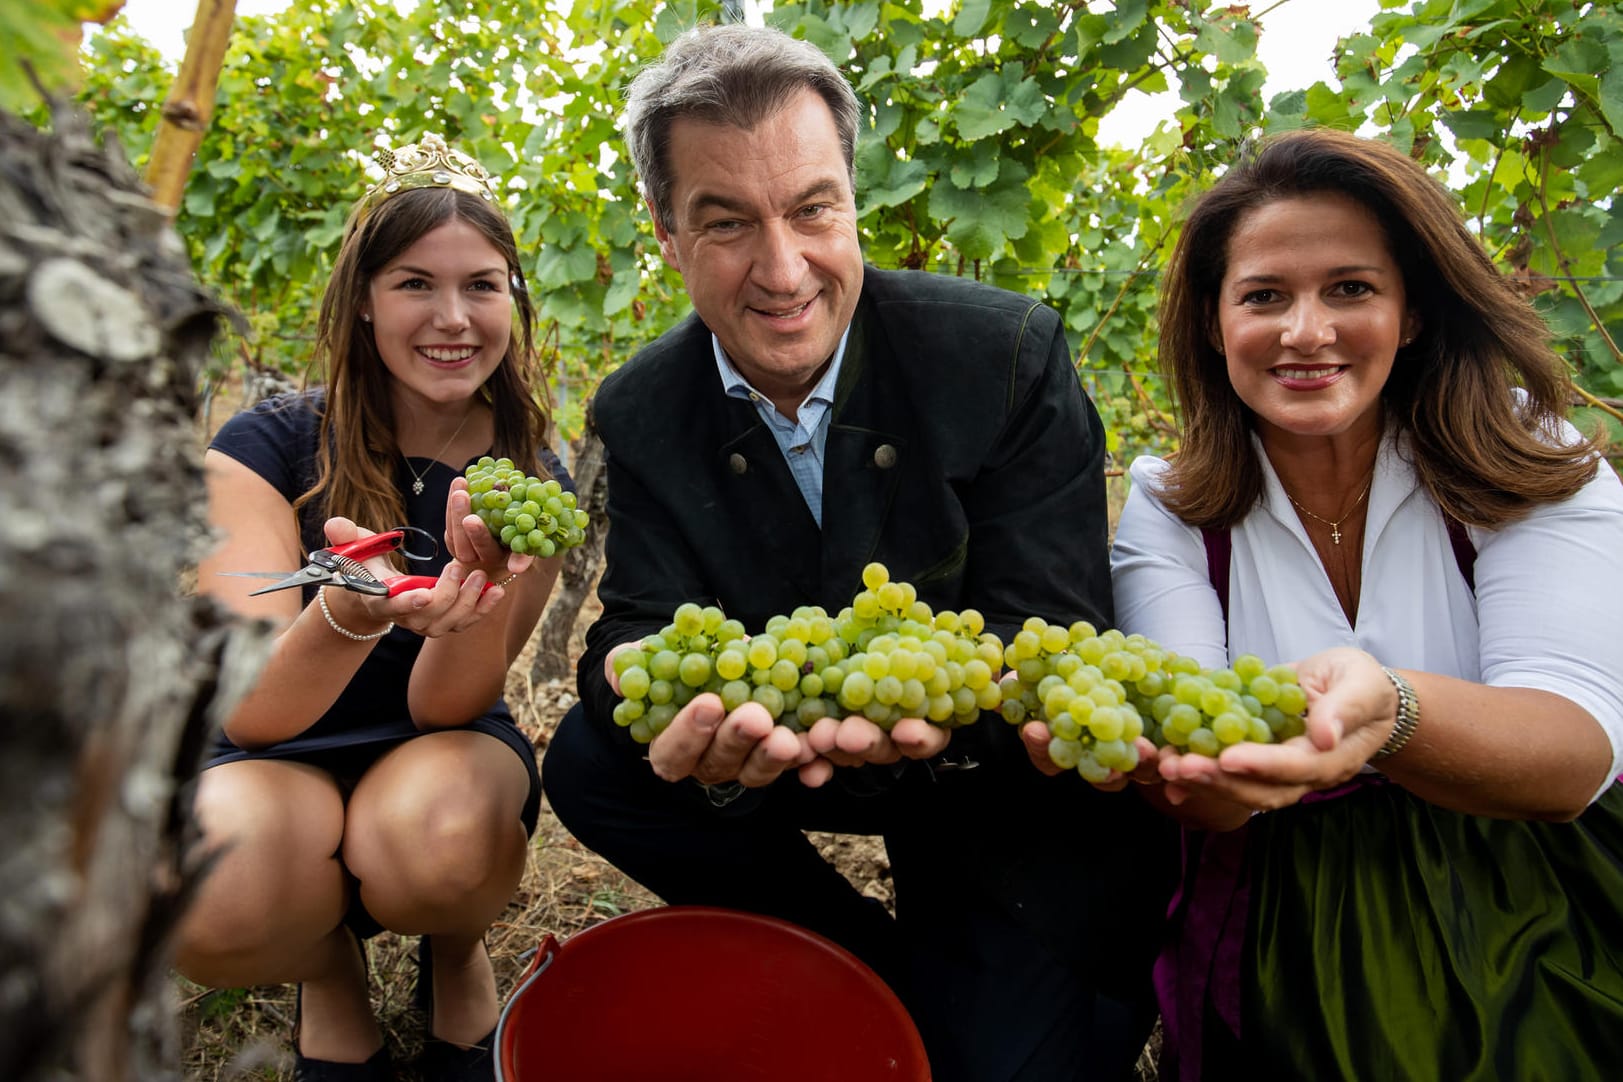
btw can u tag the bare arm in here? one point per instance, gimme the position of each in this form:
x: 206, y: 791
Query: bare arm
x: 463, y: 666
x: 309, y: 665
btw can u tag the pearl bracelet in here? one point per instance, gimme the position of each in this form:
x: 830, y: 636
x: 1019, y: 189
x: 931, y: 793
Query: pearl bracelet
x: 321, y: 596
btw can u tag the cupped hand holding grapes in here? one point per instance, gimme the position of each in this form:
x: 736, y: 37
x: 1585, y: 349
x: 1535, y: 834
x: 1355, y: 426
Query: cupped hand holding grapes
x: 1352, y: 707
x: 706, y: 743
x: 471, y: 543
x: 1035, y: 735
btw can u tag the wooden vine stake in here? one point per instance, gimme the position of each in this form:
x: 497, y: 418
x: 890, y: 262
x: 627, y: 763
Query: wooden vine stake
x: 190, y: 103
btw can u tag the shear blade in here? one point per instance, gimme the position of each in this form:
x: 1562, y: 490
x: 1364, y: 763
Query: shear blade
x: 286, y: 582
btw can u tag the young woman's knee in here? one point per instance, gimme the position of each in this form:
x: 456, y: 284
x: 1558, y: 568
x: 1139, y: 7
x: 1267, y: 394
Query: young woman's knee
x: 444, y: 847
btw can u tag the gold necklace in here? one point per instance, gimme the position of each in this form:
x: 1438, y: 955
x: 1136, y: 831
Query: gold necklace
x: 1335, y: 527
x: 417, y: 478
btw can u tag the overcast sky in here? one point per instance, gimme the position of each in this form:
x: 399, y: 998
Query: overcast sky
x: 1295, y: 45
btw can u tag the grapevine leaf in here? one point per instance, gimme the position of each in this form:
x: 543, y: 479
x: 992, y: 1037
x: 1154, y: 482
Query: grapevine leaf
x: 977, y: 166
x: 1231, y: 40
x: 981, y: 113
x: 971, y: 17
x: 1473, y: 123
x: 622, y: 290
x: 1610, y: 92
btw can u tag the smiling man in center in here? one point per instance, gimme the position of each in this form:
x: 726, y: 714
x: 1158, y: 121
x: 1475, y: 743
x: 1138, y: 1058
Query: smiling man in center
x: 813, y: 415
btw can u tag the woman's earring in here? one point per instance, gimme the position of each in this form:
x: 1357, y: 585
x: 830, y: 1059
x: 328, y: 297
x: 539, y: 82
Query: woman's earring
x: 365, y: 318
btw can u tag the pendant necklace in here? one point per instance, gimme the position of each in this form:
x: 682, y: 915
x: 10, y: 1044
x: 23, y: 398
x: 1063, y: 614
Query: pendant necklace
x: 417, y: 478
x: 1335, y: 527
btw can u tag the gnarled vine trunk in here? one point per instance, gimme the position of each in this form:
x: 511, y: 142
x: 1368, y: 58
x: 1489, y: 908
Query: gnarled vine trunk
x: 111, y: 673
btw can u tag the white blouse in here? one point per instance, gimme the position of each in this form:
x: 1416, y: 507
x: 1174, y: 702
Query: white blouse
x: 1547, y: 612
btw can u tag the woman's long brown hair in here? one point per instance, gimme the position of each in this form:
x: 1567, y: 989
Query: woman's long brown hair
x: 1479, y: 456
x: 359, y: 454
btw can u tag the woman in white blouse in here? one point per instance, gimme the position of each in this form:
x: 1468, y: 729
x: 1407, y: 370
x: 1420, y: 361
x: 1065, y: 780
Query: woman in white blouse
x: 1375, y: 478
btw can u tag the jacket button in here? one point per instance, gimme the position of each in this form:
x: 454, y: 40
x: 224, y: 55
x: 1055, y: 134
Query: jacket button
x: 738, y: 464
x: 884, y: 456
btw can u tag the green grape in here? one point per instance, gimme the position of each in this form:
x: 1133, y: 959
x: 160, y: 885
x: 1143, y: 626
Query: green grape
x: 785, y: 674
x: 731, y: 664
x: 665, y: 665
x: 634, y: 682
x: 1292, y: 699
x: 694, y: 670
x: 769, y: 697
x: 734, y: 694
x: 1065, y: 754
x: 763, y: 651
x: 689, y: 619
x: 857, y: 690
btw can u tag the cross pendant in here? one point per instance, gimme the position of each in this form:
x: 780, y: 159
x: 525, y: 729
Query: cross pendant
x: 1335, y: 534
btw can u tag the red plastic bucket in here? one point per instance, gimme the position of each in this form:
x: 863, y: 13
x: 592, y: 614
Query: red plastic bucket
x: 697, y: 994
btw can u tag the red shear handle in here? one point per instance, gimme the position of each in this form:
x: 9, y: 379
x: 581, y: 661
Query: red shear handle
x: 365, y: 548
x: 402, y: 583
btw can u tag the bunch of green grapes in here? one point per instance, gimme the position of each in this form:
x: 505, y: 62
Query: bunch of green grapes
x: 906, y: 661
x: 1099, y: 692
x: 525, y: 513
x: 1206, y: 710
x: 886, y: 656
x: 666, y: 670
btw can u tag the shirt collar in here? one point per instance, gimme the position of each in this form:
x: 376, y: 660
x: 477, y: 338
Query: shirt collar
x: 738, y: 387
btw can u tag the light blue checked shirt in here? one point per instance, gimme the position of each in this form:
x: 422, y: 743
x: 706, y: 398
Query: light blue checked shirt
x: 803, y: 439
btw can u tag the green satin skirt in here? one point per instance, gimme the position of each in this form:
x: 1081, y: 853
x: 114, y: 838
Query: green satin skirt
x: 1388, y: 939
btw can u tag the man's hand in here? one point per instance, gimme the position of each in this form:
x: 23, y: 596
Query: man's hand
x: 707, y: 744
x: 1035, y: 736
x: 854, y: 741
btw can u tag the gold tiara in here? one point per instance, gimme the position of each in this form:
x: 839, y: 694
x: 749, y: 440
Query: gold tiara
x: 430, y: 163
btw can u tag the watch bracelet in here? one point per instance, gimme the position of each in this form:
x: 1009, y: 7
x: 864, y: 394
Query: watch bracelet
x: 1408, y: 716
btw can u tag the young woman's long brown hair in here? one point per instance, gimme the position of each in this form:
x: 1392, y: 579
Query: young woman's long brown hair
x: 1478, y: 455
x: 358, y: 460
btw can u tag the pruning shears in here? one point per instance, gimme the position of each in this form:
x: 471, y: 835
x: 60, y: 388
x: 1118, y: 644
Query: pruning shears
x: 341, y: 566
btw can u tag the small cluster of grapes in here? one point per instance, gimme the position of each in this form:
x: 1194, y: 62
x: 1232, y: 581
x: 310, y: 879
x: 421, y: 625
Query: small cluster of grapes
x: 1206, y: 710
x: 886, y: 656
x: 1099, y: 692
x: 525, y: 513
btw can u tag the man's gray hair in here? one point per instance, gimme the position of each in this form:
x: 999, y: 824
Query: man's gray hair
x: 735, y: 75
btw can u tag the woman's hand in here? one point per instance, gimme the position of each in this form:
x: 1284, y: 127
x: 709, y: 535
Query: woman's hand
x: 1352, y: 707
x: 470, y: 543
x: 456, y: 602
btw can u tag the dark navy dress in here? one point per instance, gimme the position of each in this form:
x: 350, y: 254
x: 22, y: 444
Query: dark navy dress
x: 277, y: 439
